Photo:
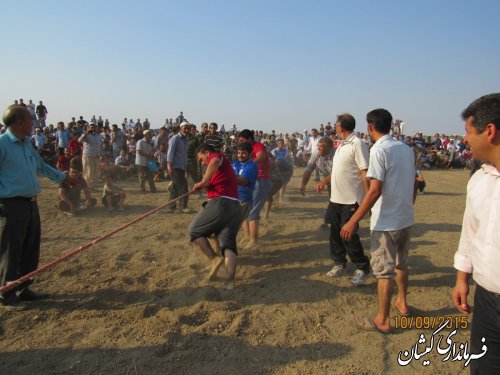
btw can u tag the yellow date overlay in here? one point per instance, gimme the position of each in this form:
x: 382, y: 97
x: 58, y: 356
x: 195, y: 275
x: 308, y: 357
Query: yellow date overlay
x: 431, y: 322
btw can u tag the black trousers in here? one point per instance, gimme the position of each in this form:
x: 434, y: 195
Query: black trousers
x: 20, y: 240
x: 179, y: 187
x: 486, y: 323
x: 338, y: 215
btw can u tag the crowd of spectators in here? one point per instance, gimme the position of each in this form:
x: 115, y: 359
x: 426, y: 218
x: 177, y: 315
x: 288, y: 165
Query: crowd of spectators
x: 116, y: 146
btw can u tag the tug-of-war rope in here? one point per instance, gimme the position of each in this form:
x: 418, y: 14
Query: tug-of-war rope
x: 12, y: 284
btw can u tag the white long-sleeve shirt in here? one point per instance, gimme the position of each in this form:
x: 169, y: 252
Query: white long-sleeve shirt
x: 479, y: 248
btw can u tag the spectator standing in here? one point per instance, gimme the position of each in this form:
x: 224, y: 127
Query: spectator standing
x: 479, y: 247
x: 20, y: 228
x: 176, y: 166
x: 145, y: 154
x: 390, y: 197
x: 92, y: 149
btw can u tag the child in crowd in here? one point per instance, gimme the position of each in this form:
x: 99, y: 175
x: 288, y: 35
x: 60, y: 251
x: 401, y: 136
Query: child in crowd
x: 161, y: 158
x: 64, y: 160
x: 112, y: 196
x: 70, y: 201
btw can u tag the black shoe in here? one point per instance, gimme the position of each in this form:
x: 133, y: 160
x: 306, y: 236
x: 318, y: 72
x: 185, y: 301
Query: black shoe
x: 12, y: 303
x: 29, y: 295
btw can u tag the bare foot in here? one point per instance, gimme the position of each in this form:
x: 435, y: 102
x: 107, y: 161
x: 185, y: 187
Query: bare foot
x: 250, y: 245
x: 229, y: 285
x: 242, y: 239
x: 216, y: 263
x: 402, y: 308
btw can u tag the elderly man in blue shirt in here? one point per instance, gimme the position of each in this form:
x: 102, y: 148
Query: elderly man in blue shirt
x: 19, y: 216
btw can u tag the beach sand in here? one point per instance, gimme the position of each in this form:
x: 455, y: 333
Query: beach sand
x: 140, y: 302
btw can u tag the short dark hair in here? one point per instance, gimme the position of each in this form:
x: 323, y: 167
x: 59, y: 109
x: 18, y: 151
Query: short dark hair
x: 204, y: 147
x: 245, y: 146
x: 15, y: 113
x: 214, y: 124
x: 347, y: 121
x: 327, y: 141
x: 76, y: 163
x: 246, y: 133
x: 485, y: 110
x: 381, y: 119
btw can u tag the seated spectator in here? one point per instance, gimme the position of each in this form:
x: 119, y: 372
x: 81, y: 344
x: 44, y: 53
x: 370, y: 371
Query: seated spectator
x: 123, y: 168
x: 64, y: 160
x: 112, y: 196
x: 420, y: 182
x: 70, y: 201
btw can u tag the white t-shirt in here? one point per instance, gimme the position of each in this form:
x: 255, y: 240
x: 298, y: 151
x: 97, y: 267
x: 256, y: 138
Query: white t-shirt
x: 313, y: 144
x: 393, y: 163
x: 350, y: 158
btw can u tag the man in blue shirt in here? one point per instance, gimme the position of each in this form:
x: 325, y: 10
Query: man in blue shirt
x: 246, y: 171
x: 62, y: 138
x: 19, y: 216
x: 176, y: 167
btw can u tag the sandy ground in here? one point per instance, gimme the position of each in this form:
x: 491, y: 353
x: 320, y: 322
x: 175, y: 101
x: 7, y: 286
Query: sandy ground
x: 140, y: 303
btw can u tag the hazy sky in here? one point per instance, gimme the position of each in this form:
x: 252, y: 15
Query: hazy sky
x: 284, y: 65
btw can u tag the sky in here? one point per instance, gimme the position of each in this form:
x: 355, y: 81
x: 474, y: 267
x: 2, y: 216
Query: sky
x: 262, y: 64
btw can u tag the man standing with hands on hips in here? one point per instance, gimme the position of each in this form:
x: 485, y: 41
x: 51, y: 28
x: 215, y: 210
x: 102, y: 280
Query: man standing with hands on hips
x: 19, y: 216
x: 479, y: 248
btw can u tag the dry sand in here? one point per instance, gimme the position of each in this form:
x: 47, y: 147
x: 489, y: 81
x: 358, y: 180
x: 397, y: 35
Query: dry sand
x: 140, y: 303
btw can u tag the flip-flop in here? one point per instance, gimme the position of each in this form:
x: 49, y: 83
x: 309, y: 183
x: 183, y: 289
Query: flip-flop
x: 400, y: 313
x: 367, y: 324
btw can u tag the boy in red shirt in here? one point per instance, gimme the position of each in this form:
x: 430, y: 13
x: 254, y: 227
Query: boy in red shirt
x: 221, y: 215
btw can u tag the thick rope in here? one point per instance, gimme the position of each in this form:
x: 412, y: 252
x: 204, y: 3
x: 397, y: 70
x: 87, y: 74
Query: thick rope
x: 12, y: 284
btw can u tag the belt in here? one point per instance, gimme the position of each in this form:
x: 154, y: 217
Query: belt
x: 27, y: 199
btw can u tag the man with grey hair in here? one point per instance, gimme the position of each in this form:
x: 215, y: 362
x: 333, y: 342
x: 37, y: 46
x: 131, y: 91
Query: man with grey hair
x: 176, y: 168
x: 20, y: 164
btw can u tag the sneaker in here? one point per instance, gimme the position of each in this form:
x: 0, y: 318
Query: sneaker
x: 359, y: 277
x: 337, y: 270
x: 187, y: 211
x: 12, y: 304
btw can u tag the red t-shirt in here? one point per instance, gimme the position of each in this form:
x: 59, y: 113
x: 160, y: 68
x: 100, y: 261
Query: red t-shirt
x: 223, y: 181
x: 64, y: 162
x: 75, y: 147
x: 264, y: 168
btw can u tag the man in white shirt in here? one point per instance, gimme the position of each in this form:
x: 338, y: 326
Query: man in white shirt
x: 348, y: 186
x: 390, y: 197
x: 144, y: 152
x: 312, y: 147
x: 479, y: 248
x: 92, y: 150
